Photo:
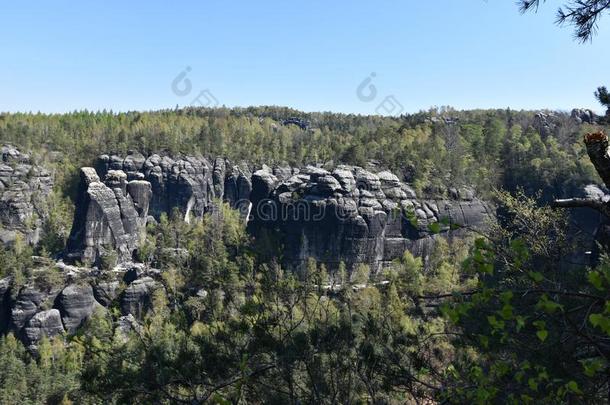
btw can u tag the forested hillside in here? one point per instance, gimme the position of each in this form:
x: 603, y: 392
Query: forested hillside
x: 484, y: 148
x: 201, y: 309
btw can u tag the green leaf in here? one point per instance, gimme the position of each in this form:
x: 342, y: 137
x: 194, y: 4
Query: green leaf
x: 434, y: 227
x: 542, y: 334
x: 495, y: 323
x: 601, y: 321
x: 451, y: 313
x: 479, y: 243
x: 573, y: 387
x: 595, y: 278
x: 506, y: 296
x: 592, y: 366
x: 536, y: 276
x: 506, y: 312
x: 547, y: 305
x: 217, y: 399
x: 531, y: 382
x: 519, y: 247
x: 487, y: 268
x: 520, y: 322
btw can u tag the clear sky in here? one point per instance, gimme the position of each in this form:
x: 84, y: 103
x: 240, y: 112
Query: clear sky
x: 66, y: 55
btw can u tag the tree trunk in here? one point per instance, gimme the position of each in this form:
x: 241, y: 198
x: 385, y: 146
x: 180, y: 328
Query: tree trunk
x: 597, y: 148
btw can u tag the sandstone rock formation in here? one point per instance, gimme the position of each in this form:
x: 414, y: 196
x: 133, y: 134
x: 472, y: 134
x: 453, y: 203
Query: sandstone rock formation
x: 76, y: 304
x: 136, y: 298
x: 43, y: 324
x: 581, y: 115
x: 352, y: 215
x: 28, y: 302
x: 189, y: 183
x: 109, y: 216
x: 24, y: 187
x: 345, y: 214
x: 33, y: 311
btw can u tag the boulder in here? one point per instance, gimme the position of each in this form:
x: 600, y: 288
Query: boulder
x: 327, y: 185
x: 105, y: 292
x: 43, y: 324
x: 125, y: 325
x: 25, y: 305
x: 76, y: 304
x: 581, y: 115
x: 137, y: 296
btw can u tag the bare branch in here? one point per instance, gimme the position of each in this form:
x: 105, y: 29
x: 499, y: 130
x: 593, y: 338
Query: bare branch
x: 583, y: 202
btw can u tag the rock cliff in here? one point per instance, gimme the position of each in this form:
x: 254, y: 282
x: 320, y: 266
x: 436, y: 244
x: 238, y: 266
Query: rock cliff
x: 23, y: 190
x: 109, y: 216
x: 344, y: 214
x: 333, y: 214
x: 41, y: 308
x: 352, y: 215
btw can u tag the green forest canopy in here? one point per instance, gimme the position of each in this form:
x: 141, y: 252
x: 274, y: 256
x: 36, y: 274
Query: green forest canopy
x: 440, y: 147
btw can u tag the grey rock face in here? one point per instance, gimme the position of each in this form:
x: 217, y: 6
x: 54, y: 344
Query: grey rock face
x: 24, y: 187
x: 36, y: 312
x: 127, y: 324
x: 46, y: 323
x: 358, y: 217
x: 545, y: 123
x: 158, y: 184
x: 107, y: 217
x: 137, y: 296
x: 345, y: 214
x: 581, y: 115
x: 26, y: 304
x: 76, y: 304
x: 105, y: 292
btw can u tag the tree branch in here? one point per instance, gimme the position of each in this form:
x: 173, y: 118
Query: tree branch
x: 583, y: 202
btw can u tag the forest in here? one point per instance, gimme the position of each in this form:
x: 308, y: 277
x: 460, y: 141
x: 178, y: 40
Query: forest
x: 501, y: 317
x: 112, y: 291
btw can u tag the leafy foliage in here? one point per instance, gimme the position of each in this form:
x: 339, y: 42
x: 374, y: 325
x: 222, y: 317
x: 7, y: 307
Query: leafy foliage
x: 434, y: 149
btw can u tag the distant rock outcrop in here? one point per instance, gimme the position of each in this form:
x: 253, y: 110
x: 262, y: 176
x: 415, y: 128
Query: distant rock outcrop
x: 355, y: 216
x: 24, y: 187
x: 333, y: 214
x: 43, y: 324
x: 33, y: 310
x: 137, y: 298
x: 581, y: 115
x: 76, y: 304
x: 109, y: 216
x: 190, y: 183
x: 344, y: 214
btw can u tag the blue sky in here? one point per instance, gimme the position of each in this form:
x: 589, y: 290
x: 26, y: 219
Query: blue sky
x: 61, y: 56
